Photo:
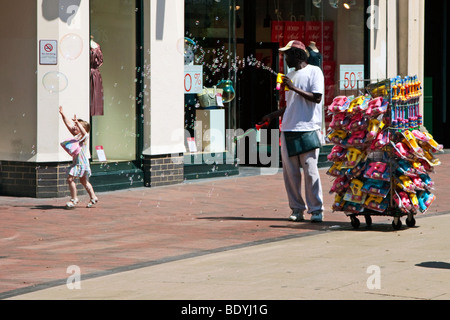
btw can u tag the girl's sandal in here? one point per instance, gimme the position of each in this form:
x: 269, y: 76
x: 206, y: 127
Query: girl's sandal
x: 91, y: 203
x: 72, y: 203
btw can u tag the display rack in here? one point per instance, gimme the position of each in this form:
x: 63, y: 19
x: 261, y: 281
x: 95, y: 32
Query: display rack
x: 382, y: 155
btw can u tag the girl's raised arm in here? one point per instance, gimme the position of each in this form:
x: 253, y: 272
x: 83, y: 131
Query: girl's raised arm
x: 80, y: 126
x: 66, y: 120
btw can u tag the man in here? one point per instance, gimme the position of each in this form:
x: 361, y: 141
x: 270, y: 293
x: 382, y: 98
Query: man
x: 302, y: 120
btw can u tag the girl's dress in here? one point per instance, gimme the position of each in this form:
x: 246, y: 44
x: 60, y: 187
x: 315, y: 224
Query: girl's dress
x: 80, y: 165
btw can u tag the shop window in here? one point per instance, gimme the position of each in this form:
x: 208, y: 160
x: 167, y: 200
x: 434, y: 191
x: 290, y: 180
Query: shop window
x: 335, y: 28
x: 113, y: 28
x: 252, y: 61
x: 210, y: 46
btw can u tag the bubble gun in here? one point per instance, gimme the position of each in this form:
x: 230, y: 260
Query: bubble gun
x: 279, y: 80
x: 256, y: 128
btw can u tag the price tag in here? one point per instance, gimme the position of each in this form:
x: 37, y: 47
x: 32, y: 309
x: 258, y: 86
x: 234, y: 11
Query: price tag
x: 351, y: 76
x: 219, y: 100
x: 193, y: 79
x: 100, y: 153
x: 191, y: 144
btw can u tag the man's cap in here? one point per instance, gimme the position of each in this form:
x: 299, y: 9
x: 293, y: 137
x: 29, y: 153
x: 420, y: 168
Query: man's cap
x: 293, y: 44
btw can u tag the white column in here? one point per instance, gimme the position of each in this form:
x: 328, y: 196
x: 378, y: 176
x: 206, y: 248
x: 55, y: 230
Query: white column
x: 65, y: 83
x: 416, y: 30
x: 391, y: 34
x: 416, y: 40
x: 18, y: 80
x: 377, y: 24
x: 164, y: 100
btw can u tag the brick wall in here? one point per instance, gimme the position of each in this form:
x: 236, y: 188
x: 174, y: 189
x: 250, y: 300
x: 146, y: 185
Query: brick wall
x: 48, y: 180
x: 163, y: 170
x: 37, y: 180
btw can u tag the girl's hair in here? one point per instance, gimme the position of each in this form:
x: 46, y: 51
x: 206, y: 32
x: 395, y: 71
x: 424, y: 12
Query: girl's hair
x: 85, y: 125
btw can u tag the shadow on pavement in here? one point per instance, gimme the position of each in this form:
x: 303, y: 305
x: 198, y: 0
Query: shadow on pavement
x: 434, y: 264
x: 307, y: 225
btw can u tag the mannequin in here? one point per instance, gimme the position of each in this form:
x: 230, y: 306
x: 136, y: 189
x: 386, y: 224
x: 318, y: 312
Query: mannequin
x: 96, y: 79
x: 93, y: 44
x: 313, y: 47
x: 315, y: 57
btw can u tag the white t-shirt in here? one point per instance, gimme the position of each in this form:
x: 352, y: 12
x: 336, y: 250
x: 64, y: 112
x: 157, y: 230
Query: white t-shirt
x: 301, y: 114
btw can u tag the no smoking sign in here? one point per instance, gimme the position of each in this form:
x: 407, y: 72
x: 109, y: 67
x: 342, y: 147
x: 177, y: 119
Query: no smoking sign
x: 48, y: 47
x: 48, y: 52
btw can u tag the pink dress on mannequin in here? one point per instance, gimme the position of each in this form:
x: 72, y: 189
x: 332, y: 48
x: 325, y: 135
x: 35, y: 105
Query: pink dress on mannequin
x: 96, y: 81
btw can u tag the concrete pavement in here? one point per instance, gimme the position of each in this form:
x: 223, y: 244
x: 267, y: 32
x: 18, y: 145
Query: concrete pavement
x: 339, y: 264
x: 219, y: 239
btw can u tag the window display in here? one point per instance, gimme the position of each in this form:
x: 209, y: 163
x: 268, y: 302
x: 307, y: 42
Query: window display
x: 209, y: 44
x: 332, y: 30
x: 236, y: 43
x: 113, y: 75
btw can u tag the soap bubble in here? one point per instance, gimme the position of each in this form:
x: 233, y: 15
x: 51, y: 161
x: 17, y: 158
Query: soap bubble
x: 71, y: 46
x: 228, y: 90
x: 54, y: 81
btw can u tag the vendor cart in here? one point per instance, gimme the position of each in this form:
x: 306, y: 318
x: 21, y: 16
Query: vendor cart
x: 382, y: 156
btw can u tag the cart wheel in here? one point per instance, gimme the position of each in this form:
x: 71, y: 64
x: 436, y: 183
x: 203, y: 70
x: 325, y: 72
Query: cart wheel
x: 397, y: 225
x: 368, y: 220
x: 355, y: 222
x: 410, y: 222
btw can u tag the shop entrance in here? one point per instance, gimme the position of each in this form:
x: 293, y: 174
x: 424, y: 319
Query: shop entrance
x: 115, y: 29
x: 334, y: 33
x: 436, y: 84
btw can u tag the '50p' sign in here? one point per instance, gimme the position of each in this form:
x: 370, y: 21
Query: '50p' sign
x: 351, y: 76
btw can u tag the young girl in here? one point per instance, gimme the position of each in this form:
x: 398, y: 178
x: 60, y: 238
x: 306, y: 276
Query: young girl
x: 80, y: 166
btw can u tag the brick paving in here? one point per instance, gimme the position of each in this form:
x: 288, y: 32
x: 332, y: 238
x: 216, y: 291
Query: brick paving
x: 40, y: 239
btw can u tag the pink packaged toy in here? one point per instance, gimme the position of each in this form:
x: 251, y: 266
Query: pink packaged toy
x: 340, y: 185
x: 377, y: 106
x: 381, y: 140
x: 357, y: 138
x: 403, y: 202
x: 401, y: 150
x: 378, y: 171
x: 340, y: 121
x: 337, y: 154
x: 357, y: 123
x: 339, y: 104
x: 427, y: 139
